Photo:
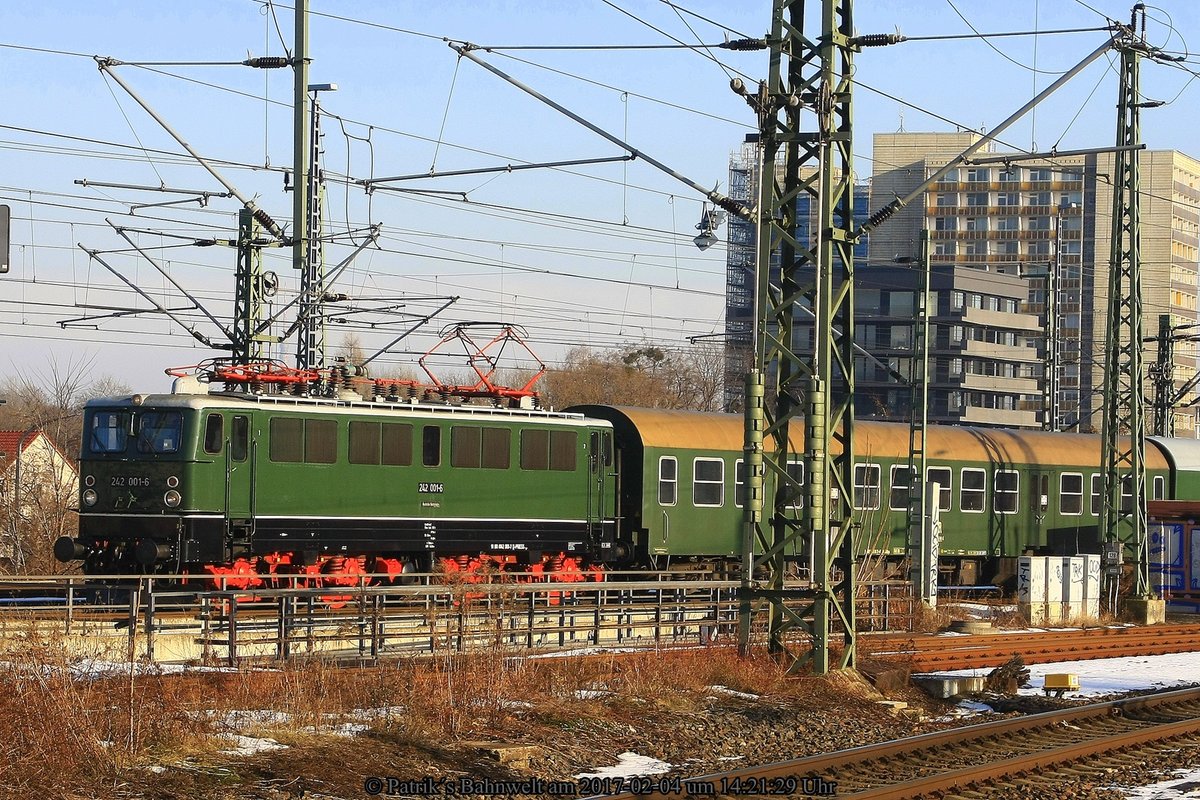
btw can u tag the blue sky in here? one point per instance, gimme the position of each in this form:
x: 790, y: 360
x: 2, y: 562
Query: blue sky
x: 598, y: 255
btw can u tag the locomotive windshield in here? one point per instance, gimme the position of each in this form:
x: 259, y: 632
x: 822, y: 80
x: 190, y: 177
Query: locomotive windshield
x: 154, y: 432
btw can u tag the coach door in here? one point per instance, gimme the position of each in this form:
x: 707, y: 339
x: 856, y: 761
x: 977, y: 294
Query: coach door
x: 239, y: 475
x: 600, y: 460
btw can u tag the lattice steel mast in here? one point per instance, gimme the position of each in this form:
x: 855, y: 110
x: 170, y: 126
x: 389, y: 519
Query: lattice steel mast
x: 1123, y: 519
x: 816, y: 385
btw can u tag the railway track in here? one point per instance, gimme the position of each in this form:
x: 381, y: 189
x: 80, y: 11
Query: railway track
x: 1067, y: 745
x: 932, y: 653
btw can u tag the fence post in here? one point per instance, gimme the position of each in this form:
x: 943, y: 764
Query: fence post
x: 231, y: 656
x: 132, y: 621
x: 150, y: 620
x: 70, y: 604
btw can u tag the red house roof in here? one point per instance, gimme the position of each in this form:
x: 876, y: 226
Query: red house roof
x: 11, y: 440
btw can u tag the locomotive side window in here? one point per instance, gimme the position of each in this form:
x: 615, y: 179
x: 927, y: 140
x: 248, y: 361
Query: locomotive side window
x: 431, y: 445
x: 159, y: 431
x: 898, y: 498
x: 397, y: 444
x: 214, y: 433
x: 535, y: 449
x: 364, y: 443
x: 562, y: 450
x: 1070, y: 493
x: 555, y: 450
x: 287, y: 440
x: 1097, y: 490
x: 239, y: 438
x: 320, y: 441
x: 110, y: 430
x: 1007, y: 489
x: 866, y: 486
x: 973, y: 489
x: 944, y: 478
x: 479, y: 447
x: 375, y: 443
x: 668, y: 481
x: 708, y: 482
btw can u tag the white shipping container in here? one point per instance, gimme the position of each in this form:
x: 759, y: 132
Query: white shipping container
x: 1055, y: 583
x: 1074, y: 584
x: 1031, y: 588
x: 1091, y: 584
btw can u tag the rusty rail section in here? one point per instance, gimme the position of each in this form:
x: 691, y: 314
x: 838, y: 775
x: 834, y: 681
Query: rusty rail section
x: 958, y: 760
x: 931, y: 653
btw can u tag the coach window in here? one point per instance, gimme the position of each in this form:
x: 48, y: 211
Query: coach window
x: 214, y: 433
x: 1126, y: 494
x: 795, y: 496
x: 739, y: 483
x: 668, y: 481
x: 1070, y: 493
x: 973, y: 488
x: 1007, y: 489
x: 239, y: 438
x: 1097, y: 490
x: 287, y: 440
x: 866, y: 486
x: 1160, y: 487
x: 431, y: 446
x: 898, y: 499
x: 708, y: 482
x: 944, y: 478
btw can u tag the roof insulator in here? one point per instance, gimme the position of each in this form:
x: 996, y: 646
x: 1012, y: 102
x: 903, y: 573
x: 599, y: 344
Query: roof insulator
x: 268, y: 62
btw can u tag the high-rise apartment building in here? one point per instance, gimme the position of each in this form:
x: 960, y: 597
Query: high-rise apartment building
x: 1023, y: 217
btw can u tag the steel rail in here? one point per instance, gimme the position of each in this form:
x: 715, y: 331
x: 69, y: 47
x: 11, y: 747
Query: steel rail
x: 987, y: 737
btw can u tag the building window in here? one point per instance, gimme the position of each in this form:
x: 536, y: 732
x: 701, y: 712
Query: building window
x: 668, y: 480
x: 945, y: 224
x: 1039, y: 199
x: 708, y: 482
x: 1008, y: 223
x: 972, y: 494
x: 947, y: 199
x: 978, y: 175
x: 1070, y: 493
x: 977, y: 198
x: 866, y: 486
x: 1039, y: 174
x: 1009, y: 176
x: 1008, y: 199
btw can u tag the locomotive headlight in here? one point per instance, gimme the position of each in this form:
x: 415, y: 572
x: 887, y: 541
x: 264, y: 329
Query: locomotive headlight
x: 172, y: 499
x: 89, y: 497
x: 89, y: 480
x: 172, y: 482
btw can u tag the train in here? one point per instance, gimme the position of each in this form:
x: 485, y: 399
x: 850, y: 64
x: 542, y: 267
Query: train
x: 242, y: 487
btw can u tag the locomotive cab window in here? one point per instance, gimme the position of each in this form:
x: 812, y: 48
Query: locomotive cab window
x: 1008, y: 484
x: 668, y: 481
x: 708, y: 482
x: 214, y: 433
x: 159, y: 431
x: 973, y: 487
x: 1070, y: 493
x: 110, y: 432
x: 866, y: 486
x: 944, y: 478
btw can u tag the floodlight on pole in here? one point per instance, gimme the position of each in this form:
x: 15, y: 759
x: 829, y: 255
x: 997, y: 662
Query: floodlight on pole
x: 708, y: 221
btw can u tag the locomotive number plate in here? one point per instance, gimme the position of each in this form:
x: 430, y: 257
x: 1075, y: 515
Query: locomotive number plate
x: 129, y: 480
x: 431, y: 488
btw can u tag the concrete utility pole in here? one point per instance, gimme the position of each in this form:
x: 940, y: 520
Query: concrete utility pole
x: 1123, y: 519
x: 817, y: 385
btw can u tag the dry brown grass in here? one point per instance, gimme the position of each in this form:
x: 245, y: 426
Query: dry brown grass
x: 61, y: 733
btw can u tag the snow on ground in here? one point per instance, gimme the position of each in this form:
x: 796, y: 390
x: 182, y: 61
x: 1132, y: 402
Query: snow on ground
x: 1185, y: 784
x: 1104, y: 676
x: 733, y: 692
x: 629, y: 765
x: 252, y: 745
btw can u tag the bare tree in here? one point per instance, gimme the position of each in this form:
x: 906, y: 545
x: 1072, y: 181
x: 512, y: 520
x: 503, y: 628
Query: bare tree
x: 646, y: 375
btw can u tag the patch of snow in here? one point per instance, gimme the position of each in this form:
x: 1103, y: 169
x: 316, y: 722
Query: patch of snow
x: 1104, y: 676
x: 965, y: 708
x: 591, y: 694
x: 730, y: 758
x: 157, y: 769
x: 252, y: 745
x: 629, y: 765
x: 345, y: 729
x: 94, y: 668
x: 1184, y: 785
x: 733, y: 692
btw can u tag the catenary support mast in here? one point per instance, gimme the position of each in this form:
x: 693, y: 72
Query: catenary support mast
x: 813, y: 381
x: 1123, y: 513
